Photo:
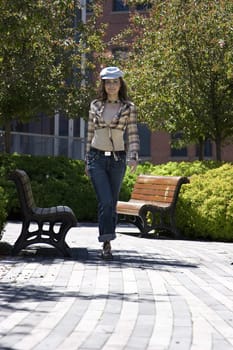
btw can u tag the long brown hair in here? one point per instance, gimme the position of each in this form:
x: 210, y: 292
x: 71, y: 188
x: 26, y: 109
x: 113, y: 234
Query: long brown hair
x: 123, y: 93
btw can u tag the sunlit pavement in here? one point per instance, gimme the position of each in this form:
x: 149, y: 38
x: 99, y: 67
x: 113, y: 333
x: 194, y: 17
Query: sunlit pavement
x: 156, y: 294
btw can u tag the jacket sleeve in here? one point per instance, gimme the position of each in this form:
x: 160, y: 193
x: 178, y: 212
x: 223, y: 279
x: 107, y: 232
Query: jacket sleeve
x: 132, y: 132
x: 90, y: 128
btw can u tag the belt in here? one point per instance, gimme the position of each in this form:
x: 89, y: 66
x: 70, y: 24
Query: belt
x: 107, y: 153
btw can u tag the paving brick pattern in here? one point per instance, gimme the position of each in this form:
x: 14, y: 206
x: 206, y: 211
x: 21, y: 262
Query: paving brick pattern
x: 157, y: 294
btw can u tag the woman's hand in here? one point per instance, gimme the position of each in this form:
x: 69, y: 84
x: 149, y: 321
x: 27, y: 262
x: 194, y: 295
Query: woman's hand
x: 133, y: 165
x: 86, y: 170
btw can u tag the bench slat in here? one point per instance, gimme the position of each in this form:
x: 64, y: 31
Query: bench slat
x: 153, y: 198
x: 133, y: 207
x: 154, y: 192
x: 158, y: 179
x: 149, y: 185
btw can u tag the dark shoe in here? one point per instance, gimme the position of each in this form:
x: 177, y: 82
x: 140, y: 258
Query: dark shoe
x: 107, y: 251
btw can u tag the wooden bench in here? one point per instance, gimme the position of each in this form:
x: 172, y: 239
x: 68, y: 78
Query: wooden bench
x: 52, y: 223
x: 152, y: 204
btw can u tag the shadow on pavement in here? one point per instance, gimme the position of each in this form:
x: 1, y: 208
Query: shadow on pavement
x: 121, y: 258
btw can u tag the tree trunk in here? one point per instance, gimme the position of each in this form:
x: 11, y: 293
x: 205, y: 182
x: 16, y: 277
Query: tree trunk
x: 201, y: 149
x: 218, y: 143
x: 7, y: 137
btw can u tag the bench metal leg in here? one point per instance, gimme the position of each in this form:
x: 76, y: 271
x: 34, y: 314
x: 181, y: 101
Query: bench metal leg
x: 152, y: 220
x: 42, y: 236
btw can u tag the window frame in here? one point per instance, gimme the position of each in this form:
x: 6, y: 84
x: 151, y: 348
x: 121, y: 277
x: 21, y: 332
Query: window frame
x: 118, y: 6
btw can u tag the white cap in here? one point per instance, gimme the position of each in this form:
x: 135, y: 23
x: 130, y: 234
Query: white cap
x: 111, y: 73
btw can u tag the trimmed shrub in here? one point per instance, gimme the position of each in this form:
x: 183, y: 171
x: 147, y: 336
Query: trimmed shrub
x: 184, y: 168
x: 206, y: 206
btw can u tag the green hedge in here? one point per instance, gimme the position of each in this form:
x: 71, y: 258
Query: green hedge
x: 206, y: 205
x: 204, y: 210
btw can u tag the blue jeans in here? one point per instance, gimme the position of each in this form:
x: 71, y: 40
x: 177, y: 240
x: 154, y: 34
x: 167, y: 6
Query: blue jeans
x: 106, y: 174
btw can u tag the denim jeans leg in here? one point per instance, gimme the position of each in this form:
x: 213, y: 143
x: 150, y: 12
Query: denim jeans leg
x: 116, y: 174
x: 106, y: 175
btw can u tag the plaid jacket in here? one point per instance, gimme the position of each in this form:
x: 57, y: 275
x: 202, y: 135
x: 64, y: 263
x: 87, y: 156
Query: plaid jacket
x: 126, y: 120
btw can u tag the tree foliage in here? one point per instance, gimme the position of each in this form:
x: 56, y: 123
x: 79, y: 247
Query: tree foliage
x: 180, y: 68
x: 42, y: 48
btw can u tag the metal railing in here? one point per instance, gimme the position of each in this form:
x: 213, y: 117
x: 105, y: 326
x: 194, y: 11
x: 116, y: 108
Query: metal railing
x: 47, y: 145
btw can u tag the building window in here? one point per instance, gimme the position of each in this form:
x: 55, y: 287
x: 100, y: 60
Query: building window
x: 145, y: 135
x: 89, y: 5
x: 207, y: 149
x: 143, y: 7
x: 178, y: 152
x: 119, y: 5
x: 42, y: 124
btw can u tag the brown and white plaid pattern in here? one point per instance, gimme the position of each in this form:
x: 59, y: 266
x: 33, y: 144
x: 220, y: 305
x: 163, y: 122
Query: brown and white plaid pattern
x: 126, y: 119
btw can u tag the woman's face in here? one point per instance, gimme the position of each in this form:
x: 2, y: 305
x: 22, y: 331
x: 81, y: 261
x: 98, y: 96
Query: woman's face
x: 112, y: 86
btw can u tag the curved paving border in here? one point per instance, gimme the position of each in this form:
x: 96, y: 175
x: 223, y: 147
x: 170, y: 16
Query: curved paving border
x: 154, y: 295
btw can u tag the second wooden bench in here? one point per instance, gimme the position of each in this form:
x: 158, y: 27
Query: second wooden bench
x: 153, y: 203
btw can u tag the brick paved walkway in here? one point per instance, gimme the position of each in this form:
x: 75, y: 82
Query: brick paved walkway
x: 155, y: 295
